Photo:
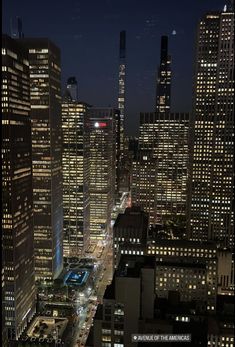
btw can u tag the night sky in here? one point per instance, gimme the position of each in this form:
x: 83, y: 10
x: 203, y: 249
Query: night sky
x: 87, y: 33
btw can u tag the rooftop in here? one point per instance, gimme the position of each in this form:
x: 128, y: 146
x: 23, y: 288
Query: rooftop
x: 131, y: 265
x: 132, y: 218
x: 44, y: 327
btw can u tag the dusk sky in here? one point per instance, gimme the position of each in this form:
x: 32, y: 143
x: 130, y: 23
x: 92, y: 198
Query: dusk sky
x: 87, y: 32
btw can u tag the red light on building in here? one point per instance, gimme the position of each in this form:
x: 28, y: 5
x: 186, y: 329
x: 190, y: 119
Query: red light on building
x: 100, y: 124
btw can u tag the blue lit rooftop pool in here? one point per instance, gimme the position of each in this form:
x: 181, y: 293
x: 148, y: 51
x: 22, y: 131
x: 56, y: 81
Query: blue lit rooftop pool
x: 77, y: 278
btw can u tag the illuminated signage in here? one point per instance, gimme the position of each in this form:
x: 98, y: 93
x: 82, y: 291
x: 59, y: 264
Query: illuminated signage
x: 100, y: 125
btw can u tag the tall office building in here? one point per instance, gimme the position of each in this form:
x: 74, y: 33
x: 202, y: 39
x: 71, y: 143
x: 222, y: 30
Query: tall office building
x: 118, y: 152
x: 16, y: 28
x: 122, y: 87
x: 167, y: 135
x: 127, y: 303
x: 44, y: 60
x: 17, y: 191
x: 73, y: 117
x: 99, y: 166
x: 130, y: 231
x: 72, y: 88
x: 212, y: 205
x: 130, y: 305
x: 163, y: 95
x: 144, y: 183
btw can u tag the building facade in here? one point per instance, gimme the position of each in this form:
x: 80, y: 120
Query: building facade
x: 117, y: 153
x: 16, y: 28
x: 19, y: 295
x: 226, y: 273
x: 75, y: 238
x: 122, y: 86
x: 167, y: 136
x: 129, y: 298
x: 144, y: 183
x: 163, y: 95
x: 189, y: 280
x: 72, y: 88
x: 183, y: 252
x: 212, y: 207
x: 100, y: 142
x: 45, y: 98
x: 130, y: 230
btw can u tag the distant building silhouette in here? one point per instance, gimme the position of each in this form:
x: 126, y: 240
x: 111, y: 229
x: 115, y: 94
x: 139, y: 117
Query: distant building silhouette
x: 16, y: 28
x: 72, y: 89
x: 163, y: 94
x: 122, y: 87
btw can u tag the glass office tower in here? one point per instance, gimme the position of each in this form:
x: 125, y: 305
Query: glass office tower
x: 167, y: 135
x: 45, y: 97
x: 73, y: 118
x: 100, y: 148
x: 122, y: 87
x: 18, y: 277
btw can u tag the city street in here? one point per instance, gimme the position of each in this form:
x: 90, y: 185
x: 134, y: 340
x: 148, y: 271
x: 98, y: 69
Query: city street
x: 81, y: 330
x: 103, y: 254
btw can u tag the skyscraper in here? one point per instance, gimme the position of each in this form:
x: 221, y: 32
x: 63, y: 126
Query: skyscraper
x: 44, y: 60
x: 99, y: 189
x: 167, y: 136
x: 163, y: 94
x: 17, y: 191
x: 127, y: 303
x: 16, y: 28
x: 118, y: 151
x: 144, y: 183
x: 212, y: 204
x: 130, y: 233
x: 122, y: 87
x: 73, y: 118
x: 72, y: 88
